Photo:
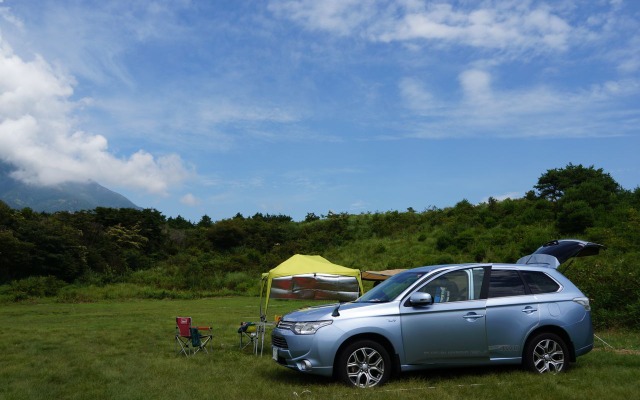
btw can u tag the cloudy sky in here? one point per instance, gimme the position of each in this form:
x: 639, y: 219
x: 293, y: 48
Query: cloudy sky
x: 215, y: 107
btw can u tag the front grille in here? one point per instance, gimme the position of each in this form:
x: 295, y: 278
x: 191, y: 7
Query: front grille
x: 279, y: 341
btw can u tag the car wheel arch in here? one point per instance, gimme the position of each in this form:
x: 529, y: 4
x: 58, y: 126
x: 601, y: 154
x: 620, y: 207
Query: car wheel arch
x: 381, y: 339
x: 555, y: 330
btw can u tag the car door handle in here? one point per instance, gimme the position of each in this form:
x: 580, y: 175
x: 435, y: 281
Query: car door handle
x: 529, y: 310
x: 472, y: 316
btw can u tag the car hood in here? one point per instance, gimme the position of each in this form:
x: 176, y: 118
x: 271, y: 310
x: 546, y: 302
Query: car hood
x: 324, y: 312
x: 557, y: 252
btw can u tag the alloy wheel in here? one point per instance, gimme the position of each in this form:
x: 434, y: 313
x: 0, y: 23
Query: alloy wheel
x: 365, y: 367
x: 548, y: 356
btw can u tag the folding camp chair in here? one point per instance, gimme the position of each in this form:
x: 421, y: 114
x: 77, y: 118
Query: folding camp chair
x: 254, y: 333
x: 248, y: 332
x: 190, y: 339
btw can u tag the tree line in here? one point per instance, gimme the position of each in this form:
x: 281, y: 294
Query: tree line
x: 63, y: 254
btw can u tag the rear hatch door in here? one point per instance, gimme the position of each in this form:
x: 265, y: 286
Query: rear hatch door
x: 557, y: 252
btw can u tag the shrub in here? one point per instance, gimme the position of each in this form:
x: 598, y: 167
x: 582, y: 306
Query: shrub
x: 611, y: 282
x: 35, y: 286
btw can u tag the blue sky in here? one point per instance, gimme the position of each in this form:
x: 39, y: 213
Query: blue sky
x: 292, y: 107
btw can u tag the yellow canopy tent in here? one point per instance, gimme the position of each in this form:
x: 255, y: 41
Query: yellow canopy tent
x: 310, y: 277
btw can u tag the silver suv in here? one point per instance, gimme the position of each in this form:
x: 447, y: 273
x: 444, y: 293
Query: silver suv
x: 447, y: 315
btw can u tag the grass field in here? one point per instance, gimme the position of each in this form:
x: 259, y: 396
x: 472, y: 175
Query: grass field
x: 125, y: 350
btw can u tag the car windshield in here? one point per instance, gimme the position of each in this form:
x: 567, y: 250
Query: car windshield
x: 391, y: 288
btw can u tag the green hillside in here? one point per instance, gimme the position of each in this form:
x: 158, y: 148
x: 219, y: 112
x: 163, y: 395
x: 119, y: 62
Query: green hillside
x: 115, y: 253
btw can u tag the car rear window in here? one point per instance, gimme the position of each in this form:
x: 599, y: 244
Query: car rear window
x: 506, y: 283
x: 539, y: 282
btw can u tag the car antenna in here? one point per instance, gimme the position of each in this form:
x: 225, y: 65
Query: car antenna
x: 335, y: 312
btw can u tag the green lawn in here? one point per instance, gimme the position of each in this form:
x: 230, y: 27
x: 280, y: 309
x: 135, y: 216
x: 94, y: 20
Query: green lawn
x: 125, y: 350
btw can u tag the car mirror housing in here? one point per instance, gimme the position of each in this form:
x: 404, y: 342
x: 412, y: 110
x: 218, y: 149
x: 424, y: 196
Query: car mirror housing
x: 418, y: 299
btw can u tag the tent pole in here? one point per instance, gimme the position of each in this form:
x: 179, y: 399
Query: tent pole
x: 261, y: 291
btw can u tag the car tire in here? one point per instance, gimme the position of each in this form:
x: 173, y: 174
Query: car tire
x: 546, y: 353
x: 364, y: 364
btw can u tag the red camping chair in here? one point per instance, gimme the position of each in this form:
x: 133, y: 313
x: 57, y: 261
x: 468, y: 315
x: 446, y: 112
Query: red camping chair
x: 189, y: 339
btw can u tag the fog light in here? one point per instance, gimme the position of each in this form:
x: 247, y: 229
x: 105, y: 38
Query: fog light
x: 304, y: 365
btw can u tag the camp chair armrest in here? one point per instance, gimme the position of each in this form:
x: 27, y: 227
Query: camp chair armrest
x: 204, y: 328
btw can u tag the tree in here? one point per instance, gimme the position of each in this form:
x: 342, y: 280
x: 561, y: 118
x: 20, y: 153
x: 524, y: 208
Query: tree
x: 575, y: 217
x: 6, y: 215
x: 554, y: 183
x: 15, y: 254
x: 205, y: 221
x: 179, y: 222
x: 578, y: 193
x: 311, y: 217
x: 227, y: 234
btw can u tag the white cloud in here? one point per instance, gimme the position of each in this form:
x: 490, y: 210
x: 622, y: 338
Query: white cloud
x: 489, y: 24
x: 502, y: 197
x: 476, y: 86
x: 521, y: 66
x: 536, y: 111
x: 337, y: 16
x: 222, y: 110
x: 190, y: 200
x: 92, y: 41
x: 416, y: 96
x: 358, y: 206
x: 5, y: 13
x: 40, y: 138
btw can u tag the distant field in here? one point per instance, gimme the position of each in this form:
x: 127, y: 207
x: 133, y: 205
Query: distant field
x: 125, y: 350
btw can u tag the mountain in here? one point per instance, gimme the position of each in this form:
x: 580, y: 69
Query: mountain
x: 71, y: 196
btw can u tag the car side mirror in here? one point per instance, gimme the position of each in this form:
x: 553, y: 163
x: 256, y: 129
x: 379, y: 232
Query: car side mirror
x: 418, y: 299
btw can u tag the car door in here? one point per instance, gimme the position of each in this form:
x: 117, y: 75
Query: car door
x: 451, y: 330
x: 510, y: 315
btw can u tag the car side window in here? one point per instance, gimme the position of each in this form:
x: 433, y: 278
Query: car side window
x: 539, y: 282
x: 505, y: 283
x: 458, y: 285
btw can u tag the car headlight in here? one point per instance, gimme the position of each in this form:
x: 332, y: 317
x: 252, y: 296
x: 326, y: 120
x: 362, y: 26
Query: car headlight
x: 309, y: 328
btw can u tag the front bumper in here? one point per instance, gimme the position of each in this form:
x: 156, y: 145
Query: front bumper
x: 312, y: 354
